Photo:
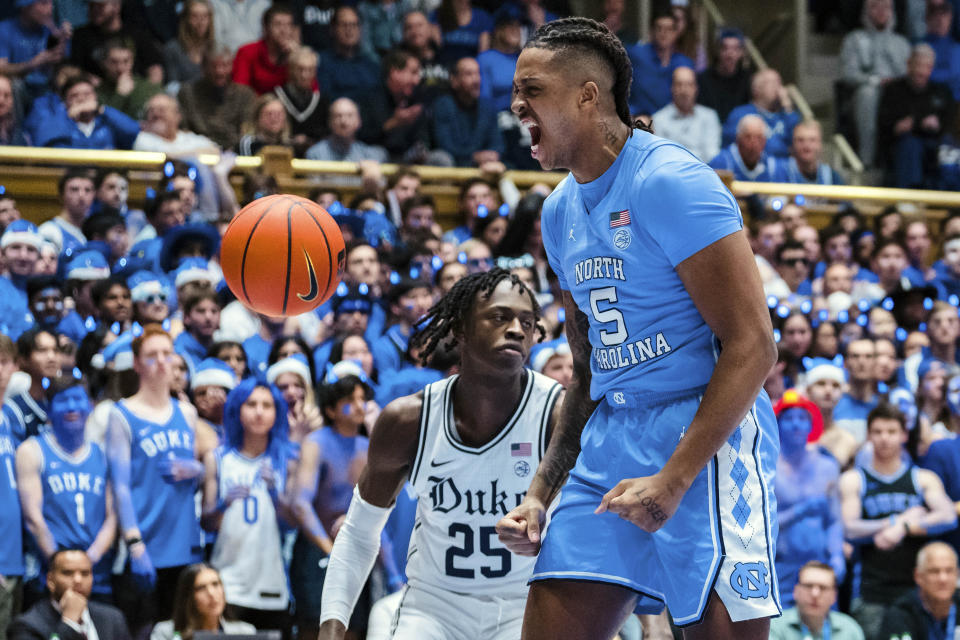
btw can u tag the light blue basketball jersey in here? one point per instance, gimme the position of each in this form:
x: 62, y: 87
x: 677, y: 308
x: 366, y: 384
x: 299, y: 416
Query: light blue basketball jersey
x: 11, y: 551
x: 166, y: 513
x: 74, y: 492
x: 615, y: 242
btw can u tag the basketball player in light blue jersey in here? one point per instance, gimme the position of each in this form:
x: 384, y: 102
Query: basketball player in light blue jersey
x: 151, y: 449
x: 675, y: 445
x: 64, y: 486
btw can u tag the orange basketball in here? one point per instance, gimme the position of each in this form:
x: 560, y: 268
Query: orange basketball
x: 282, y: 255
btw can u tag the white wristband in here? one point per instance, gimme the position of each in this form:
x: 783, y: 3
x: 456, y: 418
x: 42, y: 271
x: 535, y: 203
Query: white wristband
x: 354, y: 552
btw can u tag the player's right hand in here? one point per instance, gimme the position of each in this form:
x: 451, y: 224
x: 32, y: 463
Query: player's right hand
x: 520, y: 530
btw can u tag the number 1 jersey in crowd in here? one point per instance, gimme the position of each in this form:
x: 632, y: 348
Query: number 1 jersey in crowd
x: 74, y: 492
x: 615, y: 242
x: 464, y: 491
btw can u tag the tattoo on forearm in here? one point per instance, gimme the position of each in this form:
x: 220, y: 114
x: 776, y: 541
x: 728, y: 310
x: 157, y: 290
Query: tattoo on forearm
x: 577, y: 408
x: 565, y: 443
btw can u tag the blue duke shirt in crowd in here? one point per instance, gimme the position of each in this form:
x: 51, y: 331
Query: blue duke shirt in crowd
x: 15, y: 316
x: 18, y: 45
x: 943, y: 458
x: 780, y: 126
x: 850, y: 414
x: 166, y: 512
x: 63, y: 234
x: 464, y: 41
x: 767, y: 168
x: 650, y: 91
x: 26, y: 416
x: 946, y: 67
x: 790, y: 172
x: 389, y: 350
x: 11, y: 551
x: 191, y: 350
x: 615, y: 242
x: 75, y: 499
x: 496, y: 73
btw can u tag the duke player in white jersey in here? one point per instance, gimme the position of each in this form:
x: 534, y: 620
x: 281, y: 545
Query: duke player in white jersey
x: 468, y: 444
x: 671, y: 497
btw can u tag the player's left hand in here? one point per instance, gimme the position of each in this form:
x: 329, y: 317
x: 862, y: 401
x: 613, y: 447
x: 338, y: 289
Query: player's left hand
x: 646, y: 502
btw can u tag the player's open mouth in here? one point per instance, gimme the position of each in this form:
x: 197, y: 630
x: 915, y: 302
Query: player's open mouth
x: 534, y: 131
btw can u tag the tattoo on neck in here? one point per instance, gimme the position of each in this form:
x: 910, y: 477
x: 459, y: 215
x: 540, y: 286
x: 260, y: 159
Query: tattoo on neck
x: 609, y: 134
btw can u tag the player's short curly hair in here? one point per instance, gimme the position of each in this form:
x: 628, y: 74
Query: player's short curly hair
x: 446, y: 318
x: 572, y: 37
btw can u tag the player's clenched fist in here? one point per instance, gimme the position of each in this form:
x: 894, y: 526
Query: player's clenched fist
x: 520, y: 529
x: 646, y: 502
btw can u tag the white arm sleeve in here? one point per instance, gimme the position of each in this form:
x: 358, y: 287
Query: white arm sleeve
x: 354, y: 552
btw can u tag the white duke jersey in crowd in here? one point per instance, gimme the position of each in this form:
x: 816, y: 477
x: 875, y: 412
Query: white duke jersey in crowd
x: 248, y: 548
x: 464, y: 491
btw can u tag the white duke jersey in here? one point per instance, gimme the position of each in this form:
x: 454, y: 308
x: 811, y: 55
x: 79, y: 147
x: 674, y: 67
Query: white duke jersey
x: 615, y: 243
x: 248, y: 550
x: 464, y: 491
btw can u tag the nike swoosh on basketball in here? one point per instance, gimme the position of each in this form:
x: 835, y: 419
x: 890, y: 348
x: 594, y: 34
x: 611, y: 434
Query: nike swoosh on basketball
x: 314, y: 287
x: 434, y: 463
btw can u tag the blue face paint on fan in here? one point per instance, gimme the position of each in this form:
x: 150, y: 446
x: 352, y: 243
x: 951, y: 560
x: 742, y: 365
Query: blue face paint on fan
x: 68, y: 416
x: 795, y: 425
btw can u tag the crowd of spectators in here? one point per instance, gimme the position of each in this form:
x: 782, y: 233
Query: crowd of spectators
x: 153, y: 424
x: 430, y: 83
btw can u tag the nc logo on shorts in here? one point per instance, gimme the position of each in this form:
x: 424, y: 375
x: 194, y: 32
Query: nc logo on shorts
x: 521, y: 468
x: 618, y: 398
x: 749, y: 579
x: 622, y: 239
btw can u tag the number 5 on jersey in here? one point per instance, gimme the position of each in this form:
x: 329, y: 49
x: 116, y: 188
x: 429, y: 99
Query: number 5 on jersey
x: 608, y: 315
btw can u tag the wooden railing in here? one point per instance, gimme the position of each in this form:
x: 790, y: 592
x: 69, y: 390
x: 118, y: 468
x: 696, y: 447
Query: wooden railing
x: 31, y: 174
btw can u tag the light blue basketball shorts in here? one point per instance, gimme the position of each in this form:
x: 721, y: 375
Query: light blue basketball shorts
x: 721, y: 538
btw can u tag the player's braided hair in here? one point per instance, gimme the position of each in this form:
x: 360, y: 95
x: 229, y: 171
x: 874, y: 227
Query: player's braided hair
x: 579, y: 35
x: 445, y: 319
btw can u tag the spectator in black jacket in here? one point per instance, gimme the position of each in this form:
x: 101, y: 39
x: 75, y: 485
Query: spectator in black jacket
x: 69, y: 614
x: 725, y: 84
x: 396, y: 116
x: 913, y: 117
x: 306, y: 107
x: 88, y: 48
x: 930, y: 611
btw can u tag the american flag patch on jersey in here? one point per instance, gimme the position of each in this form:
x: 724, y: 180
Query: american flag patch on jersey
x: 620, y: 218
x: 521, y: 449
